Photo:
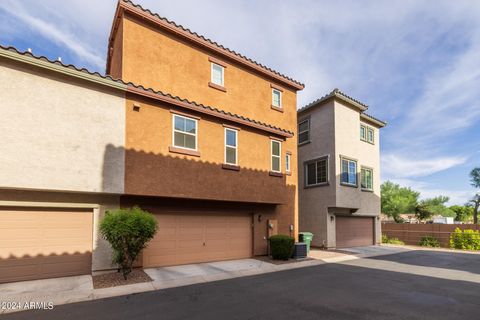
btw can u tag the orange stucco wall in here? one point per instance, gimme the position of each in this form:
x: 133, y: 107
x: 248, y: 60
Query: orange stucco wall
x: 154, y: 58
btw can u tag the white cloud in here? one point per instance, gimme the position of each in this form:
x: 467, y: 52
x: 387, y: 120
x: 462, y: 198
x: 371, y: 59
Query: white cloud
x: 409, y: 167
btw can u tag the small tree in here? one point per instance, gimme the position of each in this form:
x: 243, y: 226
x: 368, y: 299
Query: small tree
x: 475, y: 182
x: 128, y: 232
x: 433, y: 206
x: 397, y: 200
x: 462, y: 213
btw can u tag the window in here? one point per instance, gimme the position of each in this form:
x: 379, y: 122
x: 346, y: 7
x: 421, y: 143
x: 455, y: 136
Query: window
x: 366, y: 180
x: 288, y: 158
x: 367, y: 134
x: 316, y: 172
x: 349, y: 172
x: 363, y: 133
x: 276, y: 98
x: 304, y: 131
x: 184, y: 132
x: 276, y: 152
x: 370, y: 135
x: 231, y: 146
x: 217, y: 74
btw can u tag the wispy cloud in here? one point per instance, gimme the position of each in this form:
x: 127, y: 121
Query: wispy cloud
x: 409, y: 167
x: 53, y: 32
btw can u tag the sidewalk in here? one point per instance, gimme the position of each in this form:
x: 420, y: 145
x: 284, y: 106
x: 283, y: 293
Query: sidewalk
x: 80, y: 288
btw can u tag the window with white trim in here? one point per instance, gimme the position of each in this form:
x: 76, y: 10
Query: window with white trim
x: 316, y: 172
x: 304, y: 131
x: 231, y: 141
x: 217, y: 75
x: 370, y: 135
x: 288, y: 158
x: 276, y: 98
x: 349, y: 172
x: 184, y: 132
x: 276, y: 151
x: 363, y: 132
x: 366, y: 180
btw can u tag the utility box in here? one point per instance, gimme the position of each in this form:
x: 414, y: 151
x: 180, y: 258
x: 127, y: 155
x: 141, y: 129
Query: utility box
x: 300, y: 250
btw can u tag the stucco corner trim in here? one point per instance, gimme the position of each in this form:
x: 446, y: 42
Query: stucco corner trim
x: 184, y: 151
x: 216, y: 86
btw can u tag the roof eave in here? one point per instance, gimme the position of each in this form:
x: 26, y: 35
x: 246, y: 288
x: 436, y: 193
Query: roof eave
x: 370, y: 119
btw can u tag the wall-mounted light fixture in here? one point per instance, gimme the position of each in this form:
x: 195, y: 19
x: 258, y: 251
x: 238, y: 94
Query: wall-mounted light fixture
x: 136, y: 107
x: 332, y: 217
x: 259, y: 218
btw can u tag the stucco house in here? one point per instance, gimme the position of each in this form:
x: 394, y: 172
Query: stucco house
x: 199, y: 135
x: 339, y: 172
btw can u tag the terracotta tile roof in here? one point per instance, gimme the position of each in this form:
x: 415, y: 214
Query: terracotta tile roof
x: 225, y: 50
x: 335, y: 93
x: 139, y: 89
x: 376, y: 120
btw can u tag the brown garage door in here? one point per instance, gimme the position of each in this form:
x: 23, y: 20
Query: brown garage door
x: 184, y: 238
x: 44, y: 243
x: 354, y: 231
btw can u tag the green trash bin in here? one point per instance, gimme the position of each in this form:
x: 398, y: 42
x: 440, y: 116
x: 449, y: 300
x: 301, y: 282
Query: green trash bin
x: 307, y: 238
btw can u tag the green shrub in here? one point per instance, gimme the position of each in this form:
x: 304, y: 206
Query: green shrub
x: 281, y: 247
x: 386, y: 239
x: 465, y: 240
x: 429, y: 241
x: 127, y: 231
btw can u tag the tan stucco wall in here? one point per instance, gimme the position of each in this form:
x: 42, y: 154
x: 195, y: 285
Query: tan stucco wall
x: 55, y: 131
x: 101, y: 250
x: 335, y: 131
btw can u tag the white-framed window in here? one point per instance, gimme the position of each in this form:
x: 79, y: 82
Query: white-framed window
x: 349, y: 172
x: 363, y: 132
x: 288, y: 160
x: 231, y: 146
x: 316, y: 171
x: 217, y: 74
x: 304, y: 131
x: 366, y: 179
x: 276, y: 151
x: 370, y: 135
x: 184, y: 132
x: 276, y: 98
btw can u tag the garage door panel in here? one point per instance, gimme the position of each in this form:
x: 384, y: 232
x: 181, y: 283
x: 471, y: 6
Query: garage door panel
x: 36, y: 244
x: 354, y: 231
x: 200, y: 237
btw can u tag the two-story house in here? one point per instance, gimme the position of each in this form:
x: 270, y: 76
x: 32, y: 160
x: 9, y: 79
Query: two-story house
x: 339, y: 172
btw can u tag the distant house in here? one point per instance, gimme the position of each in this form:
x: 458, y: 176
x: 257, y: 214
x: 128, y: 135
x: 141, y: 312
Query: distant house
x: 339, y: 172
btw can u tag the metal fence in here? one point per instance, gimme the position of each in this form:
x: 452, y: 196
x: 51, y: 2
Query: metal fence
x: 412, y: 233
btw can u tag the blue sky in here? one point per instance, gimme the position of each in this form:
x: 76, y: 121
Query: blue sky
x: 415, y: 63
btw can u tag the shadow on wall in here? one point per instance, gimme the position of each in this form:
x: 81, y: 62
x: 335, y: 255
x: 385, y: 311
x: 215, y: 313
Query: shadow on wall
x: 151, y: 174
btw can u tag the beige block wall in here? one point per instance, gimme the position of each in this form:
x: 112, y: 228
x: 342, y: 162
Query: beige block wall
x: 55, y: 131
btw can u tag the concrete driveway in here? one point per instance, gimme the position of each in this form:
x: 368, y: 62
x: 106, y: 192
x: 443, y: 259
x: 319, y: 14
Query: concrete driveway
x: 413, y: 284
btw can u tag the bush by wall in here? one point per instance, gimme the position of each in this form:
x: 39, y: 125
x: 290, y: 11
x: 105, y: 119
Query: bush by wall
x: 281, y: 246
x: 465, y: 240
x: 386, y: 239
x: 128, y: 232
x: 429, y: 241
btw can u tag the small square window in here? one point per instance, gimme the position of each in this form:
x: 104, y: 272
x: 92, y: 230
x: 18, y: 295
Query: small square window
x: 316, y: 172
x: 217, y: 76
x: 276, y: 98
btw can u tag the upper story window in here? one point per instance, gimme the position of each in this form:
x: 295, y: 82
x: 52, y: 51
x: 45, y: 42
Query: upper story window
x: 316, y: 172
x: 366, y: 179
x: 217, y: 76
x: 276, y: 98
x: 367, y: 134
x: 231, y: 143
x: 304, y: 131
x: 288, y: 160
x: 184, y: 132
x: 348, y: 172
x: 276, y: 151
